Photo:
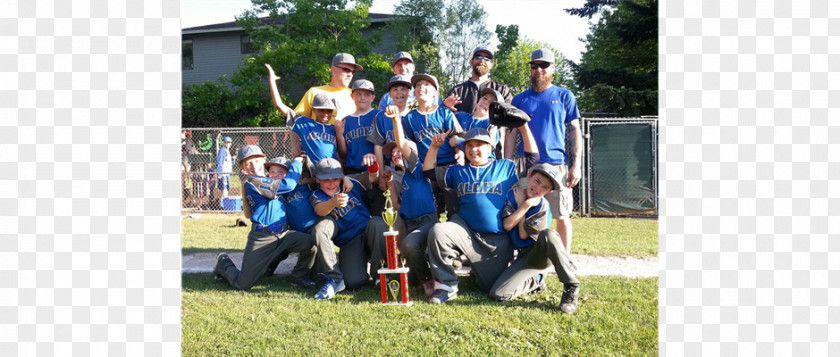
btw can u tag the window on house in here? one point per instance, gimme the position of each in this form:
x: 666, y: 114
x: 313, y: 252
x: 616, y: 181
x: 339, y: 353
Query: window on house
x: 186, y: 54
x: 245, y: 44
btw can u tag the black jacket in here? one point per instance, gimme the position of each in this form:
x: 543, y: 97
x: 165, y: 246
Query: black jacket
x: 469, y: 93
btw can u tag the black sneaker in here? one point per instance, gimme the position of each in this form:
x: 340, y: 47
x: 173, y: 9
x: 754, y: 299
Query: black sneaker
x: 305, y: 283
x: 569, y: 301
x: 221, y: 259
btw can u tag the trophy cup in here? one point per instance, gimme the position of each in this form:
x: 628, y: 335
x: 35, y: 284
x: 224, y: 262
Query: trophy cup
x: 393, y: 279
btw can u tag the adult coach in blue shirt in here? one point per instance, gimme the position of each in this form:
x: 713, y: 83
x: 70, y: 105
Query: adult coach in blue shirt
x: 552, y: 108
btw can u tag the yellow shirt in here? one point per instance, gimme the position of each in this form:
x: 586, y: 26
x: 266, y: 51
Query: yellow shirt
x: 340, y: 96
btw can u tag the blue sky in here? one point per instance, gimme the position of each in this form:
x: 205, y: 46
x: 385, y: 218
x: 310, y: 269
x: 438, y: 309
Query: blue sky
x: 540, y: 20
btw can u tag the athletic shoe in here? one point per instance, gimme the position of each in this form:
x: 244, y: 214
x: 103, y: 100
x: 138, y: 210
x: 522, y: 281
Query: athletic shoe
x: 220, y: 259
x: 305, y: 283
x: 569, y: 301
x: 429, y: 287
x: 441, y: 296
x: 542, y: 287
x: 329, y: 289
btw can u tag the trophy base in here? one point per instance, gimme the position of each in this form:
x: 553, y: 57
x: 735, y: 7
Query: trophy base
x: 393, y: 285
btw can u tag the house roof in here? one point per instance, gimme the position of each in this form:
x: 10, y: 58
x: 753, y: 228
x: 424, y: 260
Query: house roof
x: 232, y: 26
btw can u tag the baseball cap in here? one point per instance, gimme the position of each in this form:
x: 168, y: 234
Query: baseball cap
x: 418, y: 77
x: 549, y: 170
x: 345, y: 58
x: 227, y: 139
x: 362, y: 84
x: 247, y: 152
x: 401, y: 55
x: 483, y: 49
x: 322, y: 101
x: 279, y: 161
x: 398, y: 79
x: 328, y: 168
x: 488, y: 90
x: 543, y: 55
x: 480, y: 134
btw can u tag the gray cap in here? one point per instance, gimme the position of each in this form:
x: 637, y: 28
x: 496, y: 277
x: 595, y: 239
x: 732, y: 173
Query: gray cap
x: 418, y: 77
x: 549, y: 170
x: 247, y: 152
x: 488, y: 90
x: 347, y: 59
x: 401, y: 55
x: 478, y: 134
x: 398, y: 79
x: 542, y: 55
x: 322, y: 101
x: 278, y: 161
x: 328, y: 168
x: 362, y: 84
x: 483, y: 49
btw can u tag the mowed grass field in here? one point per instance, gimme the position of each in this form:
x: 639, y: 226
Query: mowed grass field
x: 592, y: 236
x: 617, y: 316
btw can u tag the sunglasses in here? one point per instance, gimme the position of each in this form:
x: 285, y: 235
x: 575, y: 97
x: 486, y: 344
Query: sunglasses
x: 345, y: 69
x: 482, y: 58
x: 542, y: 65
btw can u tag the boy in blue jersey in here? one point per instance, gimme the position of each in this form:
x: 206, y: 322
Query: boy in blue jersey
x: 480, y: 117
x: 359, y: 236
x: 416, y: 204
x: 552, y: 110
x: 403, y: 65
x: 270, y: 235
x: 302, y: 218
x: 352, y: 131
x: 477, y: 230
x: 426, y: 121
x: 383, y: 130
x: 527, y: 217
x: 315, y: 137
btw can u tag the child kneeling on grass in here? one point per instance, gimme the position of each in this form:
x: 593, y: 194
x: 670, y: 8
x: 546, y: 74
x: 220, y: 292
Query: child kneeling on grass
x: 359, y: 236
x: 270, y: 235
x: 526, y: 216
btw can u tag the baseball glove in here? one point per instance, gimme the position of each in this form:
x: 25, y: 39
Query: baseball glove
x: 503, y: 114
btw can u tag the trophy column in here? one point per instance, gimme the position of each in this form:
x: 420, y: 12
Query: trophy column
x: 393, y: 279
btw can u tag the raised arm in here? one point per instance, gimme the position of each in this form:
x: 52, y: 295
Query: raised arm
x: 399, y: 133
x: 275, y: 94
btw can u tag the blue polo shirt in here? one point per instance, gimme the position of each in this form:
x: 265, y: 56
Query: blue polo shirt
x: 481, y: 193
x: 551, y: 110
x: 317, y: 140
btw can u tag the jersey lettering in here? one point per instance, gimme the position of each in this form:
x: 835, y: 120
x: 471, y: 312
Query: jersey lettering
x: 321, y: 136
x: 293, y: 197
x: 339, y: 212
x: 357, y: 133
x: 487, y: 187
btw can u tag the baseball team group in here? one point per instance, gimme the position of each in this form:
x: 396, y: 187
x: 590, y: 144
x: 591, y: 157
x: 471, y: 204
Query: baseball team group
x: 500, y: 183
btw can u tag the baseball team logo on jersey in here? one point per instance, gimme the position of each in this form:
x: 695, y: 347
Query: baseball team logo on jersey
x: 483, y: 187
x: 294, y: 196
x: 427, y: 133
x: 339, y: 212
x: 321, y: 136
x: 361, y: 132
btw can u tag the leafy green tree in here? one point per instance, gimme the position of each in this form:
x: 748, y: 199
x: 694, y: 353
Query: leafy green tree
x: 507, y: 35
x: 205, y: 105
x: 299, y: 38
x: 464, y: 29
x: 415, y: 29
x: 618, y: 73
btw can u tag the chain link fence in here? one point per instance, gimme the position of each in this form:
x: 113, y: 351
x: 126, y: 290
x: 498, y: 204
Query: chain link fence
x: 200, y: 176
x: 619, y: 166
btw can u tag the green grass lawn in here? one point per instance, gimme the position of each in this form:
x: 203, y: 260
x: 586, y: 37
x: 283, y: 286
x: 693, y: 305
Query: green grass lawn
x: 617, y: 316
x: 592, y: 236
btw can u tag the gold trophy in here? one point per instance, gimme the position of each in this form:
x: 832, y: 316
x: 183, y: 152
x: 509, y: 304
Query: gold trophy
x: 393, y: 279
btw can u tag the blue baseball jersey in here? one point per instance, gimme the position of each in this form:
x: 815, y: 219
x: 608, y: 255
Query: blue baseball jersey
x: 421, y: 128
x: 550, y: 111
x: 356, y: 131
x: 261, y: 195
x: 298, y: 209
x: 352, y: 218
x: 416, y: 196
x: 382, y: 132
x: 481, y: 192
x: 317, y: 140
x: 468, y: 122
x: 536, y: 221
